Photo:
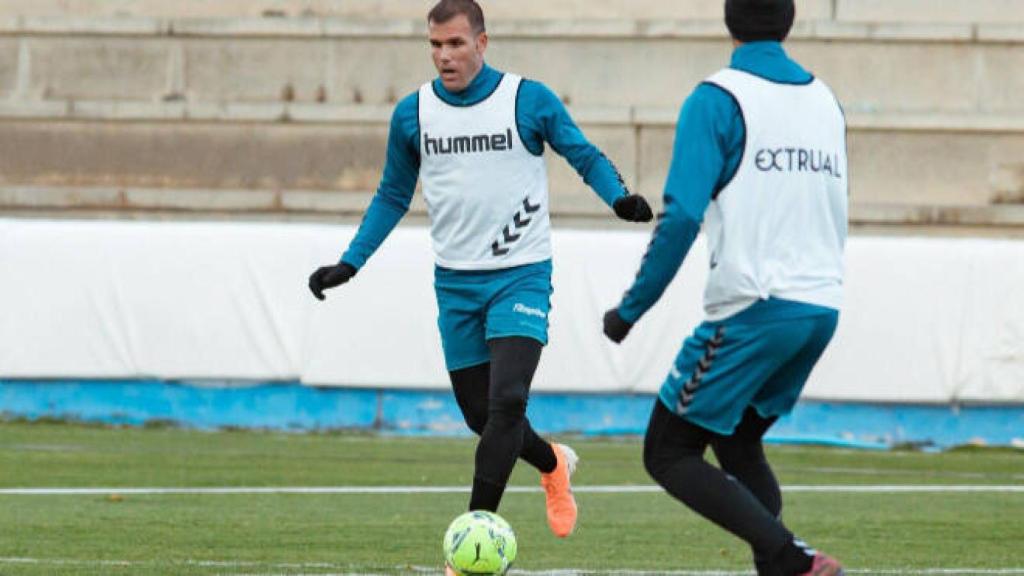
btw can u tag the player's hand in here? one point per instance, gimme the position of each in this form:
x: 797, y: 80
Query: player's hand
x: 328, y: 277
x: 633, y: 208
x: 615, y: 328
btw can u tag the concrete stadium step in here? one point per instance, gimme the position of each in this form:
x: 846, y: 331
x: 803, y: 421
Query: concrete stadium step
x: 945, y: 161
x: 375, y: 9
x: 283, y: 115
x: 913, y: 68
x: 872, y: 11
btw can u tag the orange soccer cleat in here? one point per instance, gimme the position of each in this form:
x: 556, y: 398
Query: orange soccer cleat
x: 561, y: 505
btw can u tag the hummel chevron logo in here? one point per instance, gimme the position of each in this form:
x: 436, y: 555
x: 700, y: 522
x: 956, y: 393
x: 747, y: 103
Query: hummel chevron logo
x: 690, y: 387
x: 511, y: 234
x: 509, y: 238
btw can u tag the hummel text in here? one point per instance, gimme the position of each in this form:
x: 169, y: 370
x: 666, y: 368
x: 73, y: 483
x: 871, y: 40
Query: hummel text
x: 468, y: 144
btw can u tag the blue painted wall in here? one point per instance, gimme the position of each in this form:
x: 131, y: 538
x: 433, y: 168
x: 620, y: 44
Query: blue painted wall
x: 289, y: 406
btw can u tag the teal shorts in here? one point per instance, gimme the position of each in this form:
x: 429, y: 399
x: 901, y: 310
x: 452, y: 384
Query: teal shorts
x: 478, y: 305
x: 759, y: 358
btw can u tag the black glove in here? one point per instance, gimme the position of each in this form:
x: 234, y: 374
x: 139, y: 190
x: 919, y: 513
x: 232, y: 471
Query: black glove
x: 633, y: 208
x: 615, y: 328
x: 328, y: 277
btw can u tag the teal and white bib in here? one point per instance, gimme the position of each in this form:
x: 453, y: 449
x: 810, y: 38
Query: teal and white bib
x: 486, y: 194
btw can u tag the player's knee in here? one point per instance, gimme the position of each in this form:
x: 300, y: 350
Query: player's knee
x: 508, y: 398
x: 510, y: 407
x: 476, y: 420
x: 742, y: 458
x: 736, y: 457
x: 664, y: 458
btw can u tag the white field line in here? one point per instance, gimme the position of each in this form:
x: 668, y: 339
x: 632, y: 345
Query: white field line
x: 594, y: 489
x: 845, y: 471
x: 320, y: 566
x: 581, y: 572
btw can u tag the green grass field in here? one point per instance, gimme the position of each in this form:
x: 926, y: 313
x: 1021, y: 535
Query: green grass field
x: 874, y: 533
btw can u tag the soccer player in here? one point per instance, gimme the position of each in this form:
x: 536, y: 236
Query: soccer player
x: 475, y: 137
x: 760, y: 158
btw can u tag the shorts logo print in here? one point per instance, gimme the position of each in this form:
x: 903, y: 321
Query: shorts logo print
x: 524, y: 309
x: 689, y: 389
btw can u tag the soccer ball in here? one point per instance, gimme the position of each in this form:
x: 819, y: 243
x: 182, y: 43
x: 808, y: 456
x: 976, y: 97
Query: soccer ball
x: 479, y: 543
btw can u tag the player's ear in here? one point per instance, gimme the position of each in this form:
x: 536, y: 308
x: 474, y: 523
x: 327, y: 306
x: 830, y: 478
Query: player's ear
x: 481, y: 42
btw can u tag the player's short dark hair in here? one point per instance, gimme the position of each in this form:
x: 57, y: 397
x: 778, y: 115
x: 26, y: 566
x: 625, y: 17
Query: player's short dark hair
x: 445, y: 10
x: 753, y: 20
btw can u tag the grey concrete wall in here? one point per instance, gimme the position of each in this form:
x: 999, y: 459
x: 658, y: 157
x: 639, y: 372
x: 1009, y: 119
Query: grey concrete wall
x: 8, y: 65
x: 640, y: 69
x: 920, y: 11
x: 336, y: 166
x: 281, y: 115
x: 81, y: 68
x: 978, y: 11
x: 201, y: 155
x: 497, y: 9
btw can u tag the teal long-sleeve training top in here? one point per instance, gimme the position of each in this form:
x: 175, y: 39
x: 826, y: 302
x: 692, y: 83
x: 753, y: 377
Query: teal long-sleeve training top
x: 540, y: 117
x: 709, y: 141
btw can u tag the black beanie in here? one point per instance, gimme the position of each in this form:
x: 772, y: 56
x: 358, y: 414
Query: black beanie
x: 753, y: 20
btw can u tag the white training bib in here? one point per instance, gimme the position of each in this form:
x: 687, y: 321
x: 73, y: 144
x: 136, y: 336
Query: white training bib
x: 487, y: 195
x: 779, y: 227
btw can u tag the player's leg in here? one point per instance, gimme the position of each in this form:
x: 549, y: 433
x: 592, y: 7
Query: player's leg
x: 720, y: 370
x: 462, y: 301
x: 742, y: 456
x: 778, y: 396
x: 460, y: 320
x: 471, y: 386
x: 674, y: 457
x: 513, y: 362
x: 516, y: 315
x: 462, y: 306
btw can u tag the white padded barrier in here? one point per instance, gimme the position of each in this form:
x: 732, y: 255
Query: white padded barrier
x: 926, y: 319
